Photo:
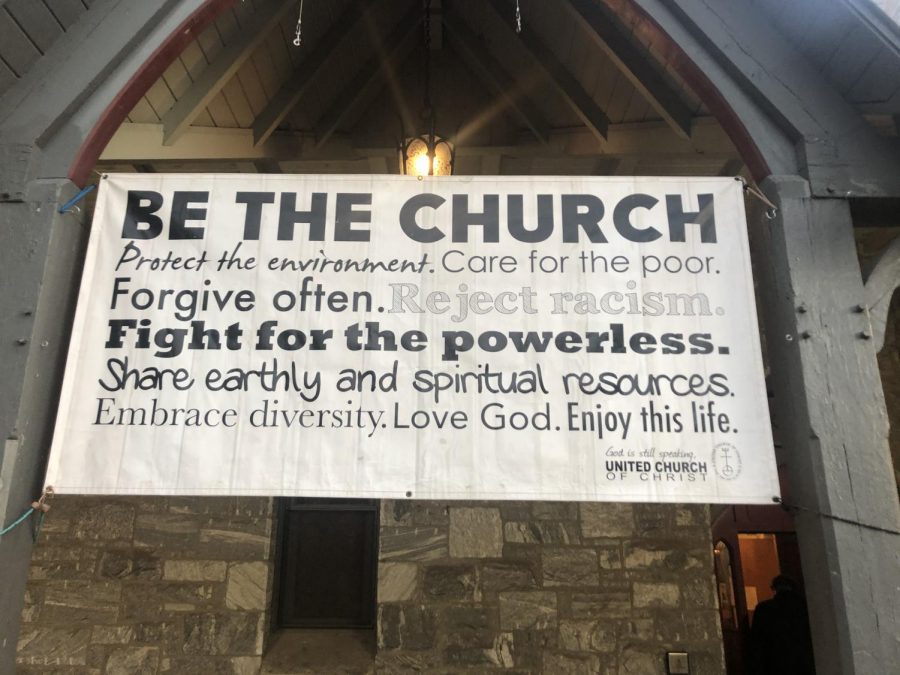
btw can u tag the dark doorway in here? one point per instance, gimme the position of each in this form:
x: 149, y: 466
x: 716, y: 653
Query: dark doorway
x: 326, y: 563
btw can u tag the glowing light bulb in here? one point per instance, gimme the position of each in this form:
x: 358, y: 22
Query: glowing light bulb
x: 421, y: 165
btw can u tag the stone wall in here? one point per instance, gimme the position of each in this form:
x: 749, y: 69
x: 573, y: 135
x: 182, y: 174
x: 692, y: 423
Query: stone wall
x: 553, y: 588
x: 164, y: 585
x: 135, y: 586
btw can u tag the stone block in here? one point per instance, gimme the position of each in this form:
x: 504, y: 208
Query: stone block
x: 232, y: 544
x: 656, y: 594
x: 641, y: 660
x: 67, y: 551
x: 407, y: 626
x: 246, y: 665
x: 501, y: 651
x: 172, y: 532
x: 515, y: 510
x: 653, y: 520
x: 246, y: 524
x: 697, y: 626
x: 154, y: 601
x: 222, y: 507
x: 636, y: 629
x: 407, y: 663
x: 692, y: 515
x: 247, y: 585
x: 194, y: 570
x: 665, y: 556
x: 162, y: 631
x: 698, y: 592
x: 81, y: 602
x: 54, y: 646
x: 606, y: 519
x: 397, y: 512
x: 468, y: 626
x: 566, y: 664
x: 389, y: 617
x: 133, y: 661
x: 105, y: 521
x: 133, y: 563
x: 450, y: 582
x: 63, y: 570
x: 397, y: 581
x: 238, y: 634
x: 528, y: 648
x: 528, y: 609
x: 179, y: 664
x: 457, y: 656
x: 418, y: 627
x: 570, y: 567
x: 555, y: 510
x: 413, y: 543
x: 609, y: 557
x: 604, y: 636
x: 508, y: 576
x: 541, y: 532
x: 150, y: 504
x: 475, y: 533
x: 113, y: 635
x: 34, y: 599
x: 588, y: 636
x: 611, y: 601
x: 575, y: 636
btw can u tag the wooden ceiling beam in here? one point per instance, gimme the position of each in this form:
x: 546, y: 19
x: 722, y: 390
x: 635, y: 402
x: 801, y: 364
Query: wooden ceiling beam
x: 299, y: 80
x: 142, y: 144
x: 225, y: 66
x: 558, y: 75
x: 492, y: 73
x: 607, y: 31
x: 399, y: 43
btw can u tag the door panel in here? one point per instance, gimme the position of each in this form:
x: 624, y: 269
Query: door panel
x: 327, y: 563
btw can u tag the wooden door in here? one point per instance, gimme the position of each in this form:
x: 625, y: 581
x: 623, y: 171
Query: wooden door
x: 327, y: 561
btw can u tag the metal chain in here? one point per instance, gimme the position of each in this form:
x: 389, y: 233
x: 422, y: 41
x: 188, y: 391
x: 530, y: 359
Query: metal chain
x: 426, y: 22
x: 518, y: 18
x: 426, y: 27
x: 298, y: 33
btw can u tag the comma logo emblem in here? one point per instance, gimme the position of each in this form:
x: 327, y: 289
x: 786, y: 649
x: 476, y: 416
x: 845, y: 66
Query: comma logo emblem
x: 727, y: 461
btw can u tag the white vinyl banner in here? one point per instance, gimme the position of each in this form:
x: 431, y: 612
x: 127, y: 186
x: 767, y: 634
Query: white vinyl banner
x: 449, y: 338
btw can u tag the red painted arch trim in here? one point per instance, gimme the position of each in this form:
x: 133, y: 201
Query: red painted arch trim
x: 699, y: 82
x: 111, y: 118
x: 116, y: 112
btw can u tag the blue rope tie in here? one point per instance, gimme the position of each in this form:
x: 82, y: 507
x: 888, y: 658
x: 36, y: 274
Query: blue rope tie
x: 39, y: 507
x: 19, y: 521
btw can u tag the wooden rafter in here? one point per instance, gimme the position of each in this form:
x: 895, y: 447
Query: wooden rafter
x: 225, y: 66
x: 142, y: 143
x: 562, y: 79
x: 483, y: 64
x: 398, y: 43
x: 298, y: 81
x: 606, y: 29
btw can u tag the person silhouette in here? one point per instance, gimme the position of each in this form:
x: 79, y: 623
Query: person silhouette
x: 780, y: 641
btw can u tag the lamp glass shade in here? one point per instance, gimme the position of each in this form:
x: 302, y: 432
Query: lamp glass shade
x: 417, y: 157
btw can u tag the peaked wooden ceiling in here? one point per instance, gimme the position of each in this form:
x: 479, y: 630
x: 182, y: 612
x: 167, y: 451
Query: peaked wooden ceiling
x: 576, y: 81
x: 579, y: 90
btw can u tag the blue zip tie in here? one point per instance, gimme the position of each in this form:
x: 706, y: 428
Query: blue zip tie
x: 84, y: 192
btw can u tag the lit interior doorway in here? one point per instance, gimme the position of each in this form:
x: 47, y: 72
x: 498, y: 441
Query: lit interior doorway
x: 751, y: 545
